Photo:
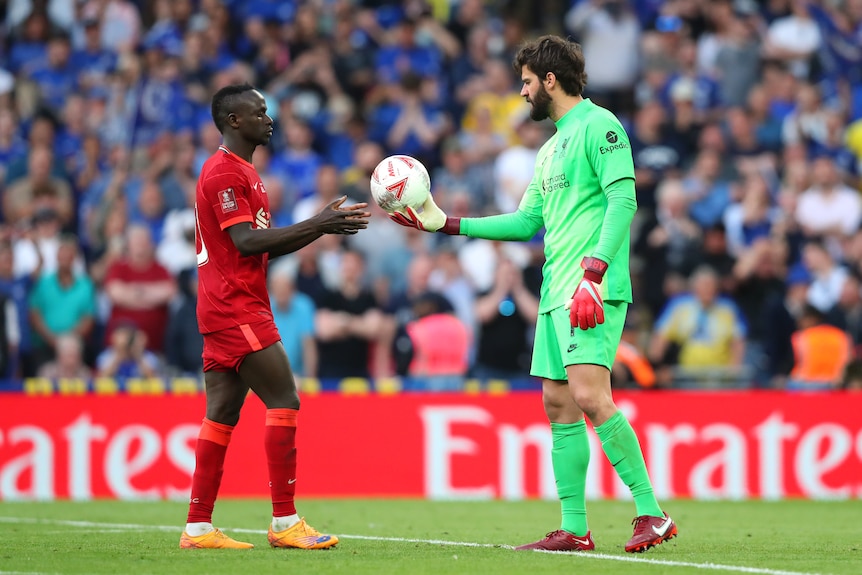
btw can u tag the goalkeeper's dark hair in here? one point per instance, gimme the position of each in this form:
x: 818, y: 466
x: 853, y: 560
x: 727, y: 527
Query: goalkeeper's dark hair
x: 560, y: 56
x: 224, y: 102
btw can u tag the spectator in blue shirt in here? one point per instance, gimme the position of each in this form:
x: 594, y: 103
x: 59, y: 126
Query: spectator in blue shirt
x: 293, y: 312
x: 406, y: 54
x: 30, y: 45
x: 708, y: 193
x: 11, y: 144
x: 704, y: 89
x: 92, y: 62
x: 406, y: 124
x: 150, y: 210
x: 127, y: 355
x: 297, y: 165
x: 17, y: 289
x: 56, y: 78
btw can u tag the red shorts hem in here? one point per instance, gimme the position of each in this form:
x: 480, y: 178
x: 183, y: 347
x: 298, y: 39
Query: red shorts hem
x: 226, y: 349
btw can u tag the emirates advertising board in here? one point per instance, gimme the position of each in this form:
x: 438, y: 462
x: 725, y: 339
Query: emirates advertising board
x: 726, y: 445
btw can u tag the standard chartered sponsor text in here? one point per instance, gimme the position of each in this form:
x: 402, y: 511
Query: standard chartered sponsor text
x: 557, y: 182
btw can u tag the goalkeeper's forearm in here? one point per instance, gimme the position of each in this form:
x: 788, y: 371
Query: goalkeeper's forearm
x: 516, y: 226
x: 622, y: 206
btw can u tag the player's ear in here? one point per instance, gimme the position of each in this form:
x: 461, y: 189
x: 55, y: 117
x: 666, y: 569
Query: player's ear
x: 232, y: 120
x: 550, y: 80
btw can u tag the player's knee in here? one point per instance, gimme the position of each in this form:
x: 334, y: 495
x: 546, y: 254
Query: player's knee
x: 287, y: 399
x: 222, y: 412
x: 592, y: 402
x: 587, y: 403
x: 555, y: 405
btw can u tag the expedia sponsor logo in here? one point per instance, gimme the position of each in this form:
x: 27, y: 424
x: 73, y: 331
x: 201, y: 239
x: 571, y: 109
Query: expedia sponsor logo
x: 609, y: 149
x: 557, y: 182
x: 614, y: 141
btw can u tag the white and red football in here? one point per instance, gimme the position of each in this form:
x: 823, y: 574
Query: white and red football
x: 398, y: 182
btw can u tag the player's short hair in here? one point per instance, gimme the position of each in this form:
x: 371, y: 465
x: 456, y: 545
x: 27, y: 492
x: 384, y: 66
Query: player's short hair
x: 224, y: 102
x: 554, y: 54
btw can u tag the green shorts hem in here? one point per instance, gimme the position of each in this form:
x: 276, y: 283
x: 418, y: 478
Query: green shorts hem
x: 558, y: 345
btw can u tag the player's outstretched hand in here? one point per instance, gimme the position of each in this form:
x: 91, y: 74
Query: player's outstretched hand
x: 430, y: 219
x: 336, y: 218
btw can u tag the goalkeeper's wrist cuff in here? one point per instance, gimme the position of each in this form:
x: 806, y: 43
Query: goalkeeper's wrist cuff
x: 451, y: 227
x: 594, y: 269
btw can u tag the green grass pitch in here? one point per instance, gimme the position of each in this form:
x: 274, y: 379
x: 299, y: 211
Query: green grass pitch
x: 420, y: 537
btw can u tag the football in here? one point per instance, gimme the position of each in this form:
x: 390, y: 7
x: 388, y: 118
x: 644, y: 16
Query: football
x: 398, y: 182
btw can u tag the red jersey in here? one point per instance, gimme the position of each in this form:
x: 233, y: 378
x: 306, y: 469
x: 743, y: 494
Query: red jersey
x: 231, y: 288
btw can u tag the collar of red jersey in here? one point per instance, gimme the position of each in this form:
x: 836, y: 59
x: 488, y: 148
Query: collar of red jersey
x: 227, y: 151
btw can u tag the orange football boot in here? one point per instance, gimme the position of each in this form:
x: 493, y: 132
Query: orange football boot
x: 215, y: 539
x: 301, y: 536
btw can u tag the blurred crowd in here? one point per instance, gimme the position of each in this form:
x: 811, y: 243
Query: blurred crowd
x: 745, y: 119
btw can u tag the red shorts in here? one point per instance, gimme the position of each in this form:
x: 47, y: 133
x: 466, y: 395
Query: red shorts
x: 224, y: 350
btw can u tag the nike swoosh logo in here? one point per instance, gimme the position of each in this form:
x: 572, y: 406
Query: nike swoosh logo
x: 292, y: 481
x: 590, y: 288
x: 584, y: 542
x: 662, y: 529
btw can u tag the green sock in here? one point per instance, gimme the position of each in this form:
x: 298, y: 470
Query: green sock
x: 624, y: 452
x: 570, y: 456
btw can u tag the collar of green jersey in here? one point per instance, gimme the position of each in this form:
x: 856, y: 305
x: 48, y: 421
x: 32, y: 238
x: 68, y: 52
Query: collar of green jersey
x: 577, y: 111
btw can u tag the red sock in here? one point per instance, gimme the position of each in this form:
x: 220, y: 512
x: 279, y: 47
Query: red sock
x: 209, y: 466
x: 280, y: 441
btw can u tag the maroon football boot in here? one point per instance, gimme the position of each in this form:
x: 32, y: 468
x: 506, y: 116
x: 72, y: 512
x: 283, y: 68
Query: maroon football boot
x: 649, y: 532
x: 560, y: 540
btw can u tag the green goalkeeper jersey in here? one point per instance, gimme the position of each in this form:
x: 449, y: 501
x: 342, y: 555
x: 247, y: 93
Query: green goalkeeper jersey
x: 576, y: 193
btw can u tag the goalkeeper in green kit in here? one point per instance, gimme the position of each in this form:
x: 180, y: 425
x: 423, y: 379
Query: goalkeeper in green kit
x: 583, y: 193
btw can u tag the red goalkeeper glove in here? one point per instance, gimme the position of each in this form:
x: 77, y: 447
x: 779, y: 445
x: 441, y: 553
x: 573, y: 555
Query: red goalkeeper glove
x: 586, y: 308
x: 430, y: 219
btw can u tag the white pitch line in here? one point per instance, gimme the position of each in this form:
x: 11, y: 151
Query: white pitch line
x: 82, y: 530
x: 591, y: 555
x: 95, y: 524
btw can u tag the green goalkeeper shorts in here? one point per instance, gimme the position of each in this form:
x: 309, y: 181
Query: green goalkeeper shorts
x: 558, y: 344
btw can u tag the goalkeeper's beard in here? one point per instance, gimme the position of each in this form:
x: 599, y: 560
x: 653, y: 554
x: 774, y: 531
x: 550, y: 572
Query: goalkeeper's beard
x: 540, y: 105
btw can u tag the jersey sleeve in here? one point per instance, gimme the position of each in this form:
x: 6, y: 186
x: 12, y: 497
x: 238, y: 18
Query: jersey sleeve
x: 532, y: 201
x: 228, y: 192
x: 608, y: 149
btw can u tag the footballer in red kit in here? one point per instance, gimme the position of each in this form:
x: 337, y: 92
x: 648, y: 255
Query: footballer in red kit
x: 237, y: 313
x: 242, y: 346
x: 229, y: 192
